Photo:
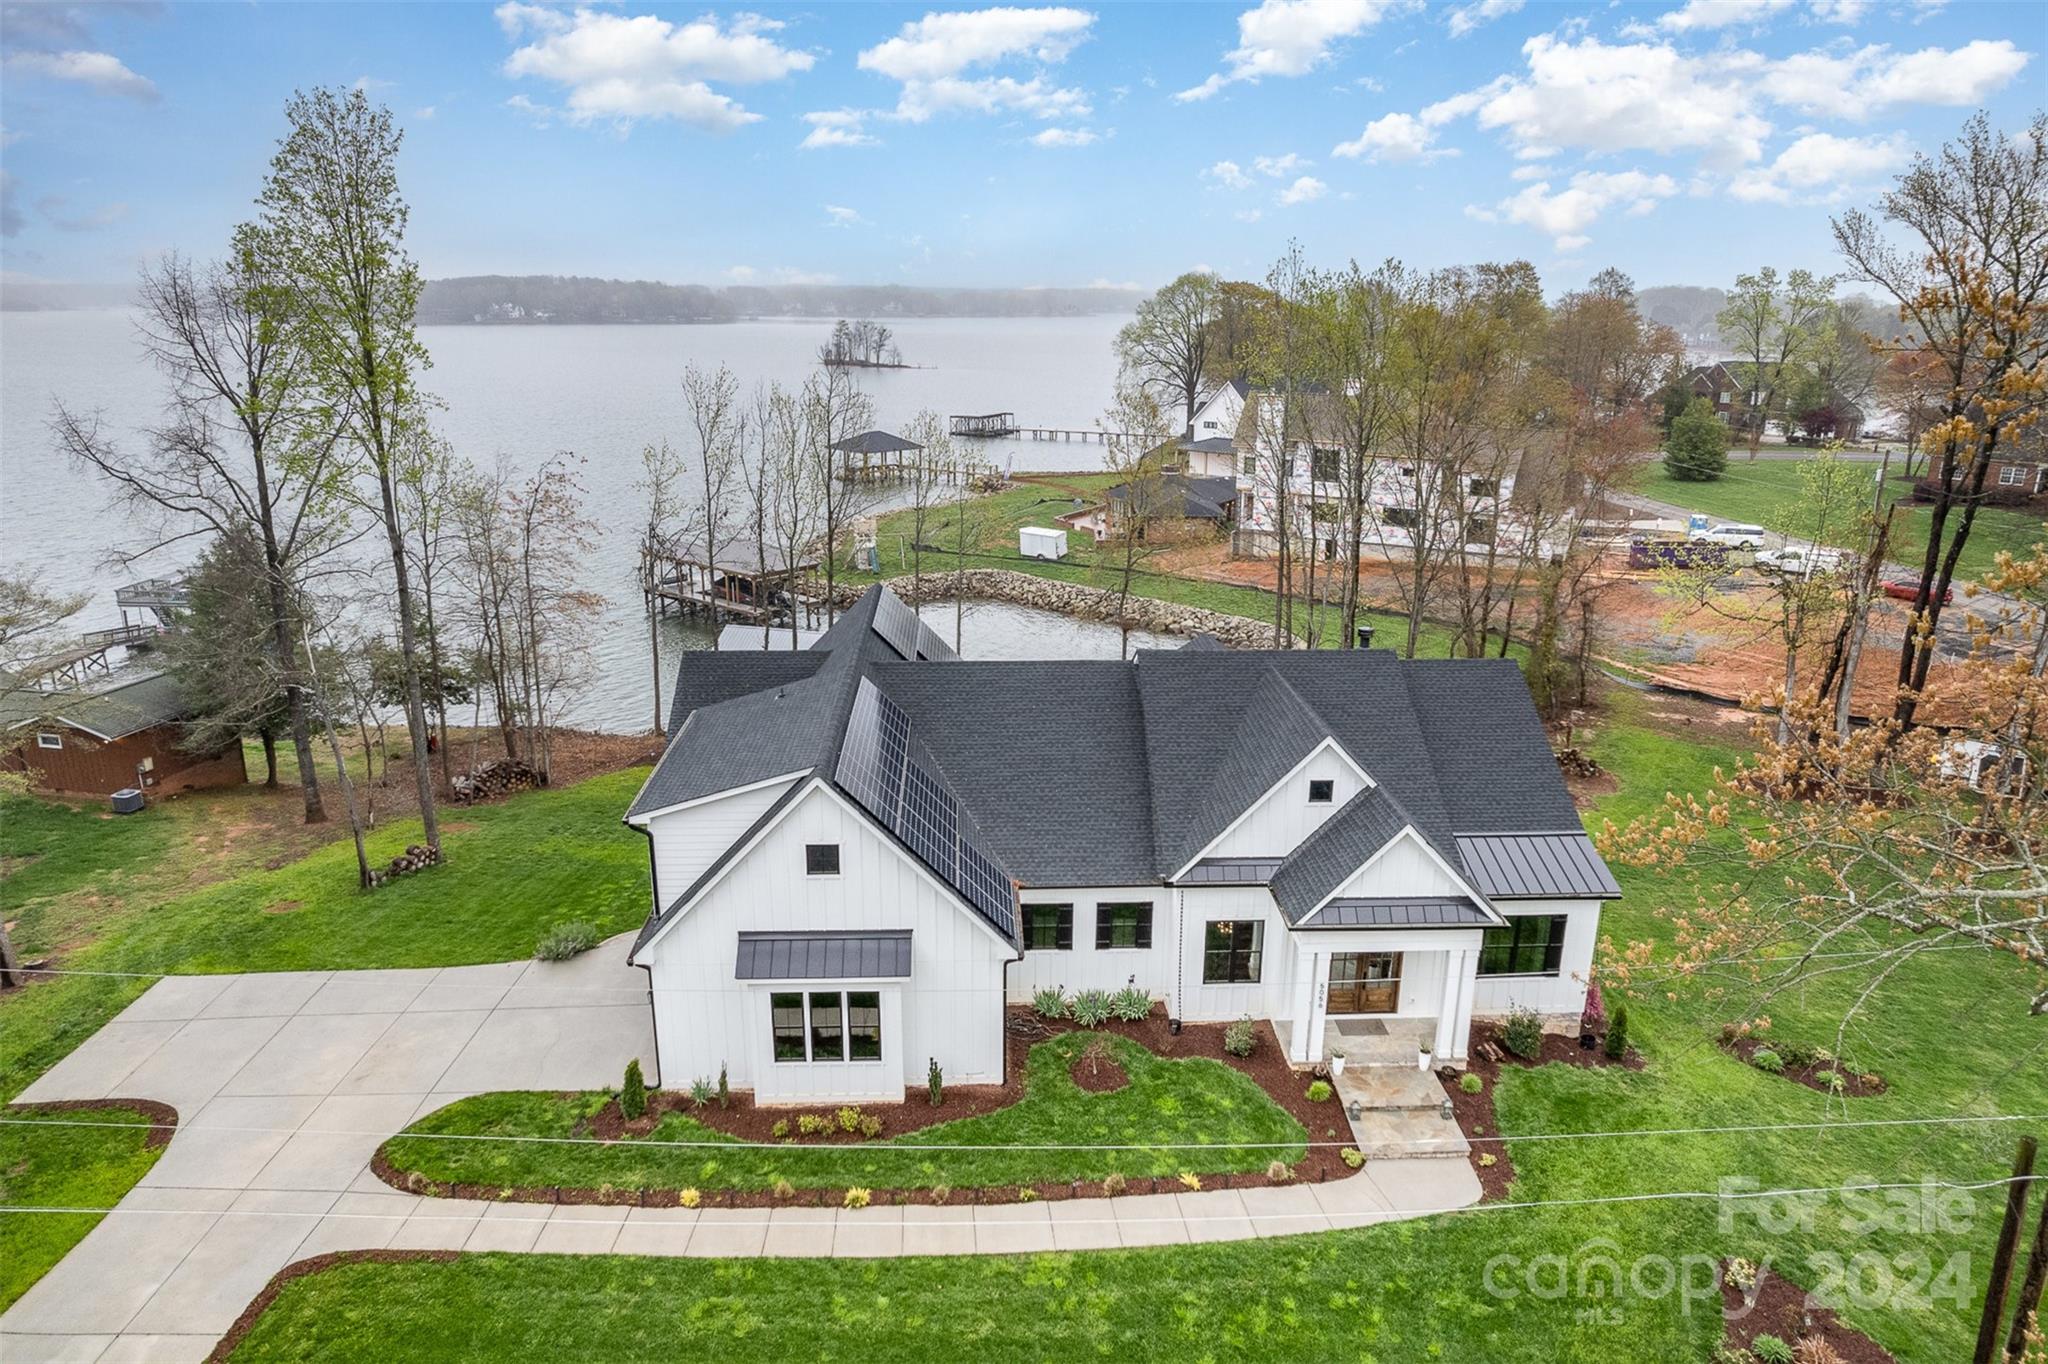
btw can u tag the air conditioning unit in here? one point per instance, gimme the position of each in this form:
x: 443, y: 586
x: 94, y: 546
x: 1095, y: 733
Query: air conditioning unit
x: 127, y: 801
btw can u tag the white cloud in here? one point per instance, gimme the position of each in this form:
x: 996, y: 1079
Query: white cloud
x: 623, y: 68
x: 1394, y: 137
x: 838, y: 128
x: 1276, y: 167
x: 1228, y: 174
x: 1305, y: 190
x: 1565, y: 214
x: 425, y: 113
x: 1291, y: 38
x: 1466, y: 18
x: 1821, y: 166
x: 1063, y: 137
x: 1248, y: 215
x: 1838, y: 11
x: 839, y: 215
x: 100, y: 71
x: 539, y: 114
x: 929, y: 56
x: 1696, y: 15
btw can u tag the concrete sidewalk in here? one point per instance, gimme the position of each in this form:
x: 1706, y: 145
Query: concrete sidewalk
x: 287, y: 1083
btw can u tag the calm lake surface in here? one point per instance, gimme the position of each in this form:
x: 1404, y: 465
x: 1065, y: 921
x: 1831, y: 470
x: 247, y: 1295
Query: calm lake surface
x: 521, y: 394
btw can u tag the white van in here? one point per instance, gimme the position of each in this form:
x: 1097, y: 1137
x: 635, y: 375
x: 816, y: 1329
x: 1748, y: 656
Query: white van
x: 1800, y: 561
x: 1733, y: 535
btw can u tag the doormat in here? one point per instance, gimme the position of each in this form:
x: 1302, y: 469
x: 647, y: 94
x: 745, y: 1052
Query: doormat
x: 1361, y: 1027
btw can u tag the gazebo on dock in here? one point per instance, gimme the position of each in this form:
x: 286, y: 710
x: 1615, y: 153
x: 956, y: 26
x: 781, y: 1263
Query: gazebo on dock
x: 882, y: 455
x: 744, y: 584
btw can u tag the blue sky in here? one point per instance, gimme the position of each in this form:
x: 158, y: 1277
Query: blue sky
x: 1019, y: 145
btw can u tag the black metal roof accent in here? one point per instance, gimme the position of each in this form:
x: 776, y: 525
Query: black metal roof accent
x: 1536, y: 866
x: 1456, y: 912
x: 1232, y: 871
x: 870, y: 954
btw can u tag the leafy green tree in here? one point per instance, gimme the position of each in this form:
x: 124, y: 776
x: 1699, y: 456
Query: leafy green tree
x: 224, y: 654
x: 1165, y: 348
x: 1696, y: 451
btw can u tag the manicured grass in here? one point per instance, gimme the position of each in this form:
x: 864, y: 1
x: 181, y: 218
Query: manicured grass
x: 52, y: 848
x: 63, y: 1167
x: 1167, y: 1102
x: 1951, y: 1035
x: 997, y: 518
x: 1759, y: 492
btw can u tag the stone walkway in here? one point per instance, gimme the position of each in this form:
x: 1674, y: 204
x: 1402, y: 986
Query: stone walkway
x: 287, y: 1083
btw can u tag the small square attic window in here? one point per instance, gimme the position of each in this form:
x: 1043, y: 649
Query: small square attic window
x: 48, y: 740
x: 1322, y: 791
x: 821, y: 859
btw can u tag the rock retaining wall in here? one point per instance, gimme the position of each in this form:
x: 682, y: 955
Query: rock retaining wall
x: 1083, y: 603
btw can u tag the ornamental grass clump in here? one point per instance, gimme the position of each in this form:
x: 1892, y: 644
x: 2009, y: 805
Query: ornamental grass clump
x: 567, y: 940
x: 1241, y: 1037
x: 1470, y: 1083
x: 1130, y: 1004
x: 1049, y: 1003
x: 1091, y: 1008
x: 1318, y: 1091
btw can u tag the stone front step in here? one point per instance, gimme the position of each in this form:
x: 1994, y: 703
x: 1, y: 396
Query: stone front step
x: 1391, y: 1088
x: 1386, y: 1133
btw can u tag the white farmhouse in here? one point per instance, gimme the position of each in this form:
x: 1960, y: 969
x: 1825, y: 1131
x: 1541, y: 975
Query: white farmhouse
x: 864, y: 851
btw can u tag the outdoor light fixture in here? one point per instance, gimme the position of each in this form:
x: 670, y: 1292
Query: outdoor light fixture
x: 1446, y: 1110
x: 1355, y: 1110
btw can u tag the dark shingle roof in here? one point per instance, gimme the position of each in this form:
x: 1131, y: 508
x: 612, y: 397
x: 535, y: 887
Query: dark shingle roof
x: 1275, y: 730
x: 1344, y: 843
x: 1508, y: 781
x: 123, y: 702
x: 865, y: 955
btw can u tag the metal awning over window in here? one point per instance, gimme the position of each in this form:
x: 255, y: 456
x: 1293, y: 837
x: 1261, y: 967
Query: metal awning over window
x: 1446, y: 912
x: 871, y: 954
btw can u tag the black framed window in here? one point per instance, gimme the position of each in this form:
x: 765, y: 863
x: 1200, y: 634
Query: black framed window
x: 1321, y: 791
x: 1400, y: 516
x: 828, y: 1026
x: 787, y: 1015
x: 1123, y: 926
x: 1231, y: 949
x: 1530, y: 945
x: 1048, y: 928
x: 864, y: 1024
x: 821, y: 859
x: 1326, y: 466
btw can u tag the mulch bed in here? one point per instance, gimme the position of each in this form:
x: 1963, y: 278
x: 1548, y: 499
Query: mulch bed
x: 1267, y: 1066
x: 1855, y: 1085
x: 299, y: 1269
x: 1474, y: 1112
x: 1777, y: 1306
x: 1098, y: 1073
x: 162, y: 1117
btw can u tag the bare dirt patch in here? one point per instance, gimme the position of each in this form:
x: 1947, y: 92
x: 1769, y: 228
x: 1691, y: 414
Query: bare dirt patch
x: 1096, y: 1071
x: 283, y: 906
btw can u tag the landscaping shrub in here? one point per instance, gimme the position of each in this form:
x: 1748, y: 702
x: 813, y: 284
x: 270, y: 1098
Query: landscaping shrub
x: 935, y: 1082
x: 858, y: 1197
x: 1799, y: 1055
x: 1279, y: 1171
x: 1594, y: 1016
x: 1767, y: 1061
x: 1049, y: 1003
x: 1318, y: 1090
x: 1241, y: 1037
x: 689, y: 1198
x: 1617, y: 1034
x: 1130, y: 1004
x: 813, y: 1124
x: 1487, y: 1160
x: 870, y: 1126
x: 1814, y: 1350
x: 782, y: 1189
x: 1740, y: 1275
x: 633, y: 1093
x: 1696, y: 450
x: 1191, y: 1181
x: 564, y: 941
x: 1470, y: 1083
x: 849, y: 1119
x: 1091, y: 1008
x: 1524, y: 1032
x: 724, y: 1089
x: 700, y: 1091
x: 1352, y: 1156
x: 780, y: 1130
x: 1770, y: 1349
x: 1113, y: 1183
x: 1832, y: 1079
x: 1026, y: 1194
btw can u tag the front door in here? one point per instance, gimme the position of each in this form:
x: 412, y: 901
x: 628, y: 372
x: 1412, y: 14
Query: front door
x: 1365, y: 982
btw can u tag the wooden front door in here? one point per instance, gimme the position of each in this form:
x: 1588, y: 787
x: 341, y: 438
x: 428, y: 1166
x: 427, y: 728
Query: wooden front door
x: 1365, y: 982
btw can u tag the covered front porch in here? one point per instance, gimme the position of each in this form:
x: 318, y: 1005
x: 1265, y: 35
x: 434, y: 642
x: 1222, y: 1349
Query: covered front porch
x: 1379, y: 997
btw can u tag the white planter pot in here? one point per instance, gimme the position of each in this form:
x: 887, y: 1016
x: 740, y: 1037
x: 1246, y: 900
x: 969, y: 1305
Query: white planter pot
x: 1422, y: 1061
x: 1336, y: 1066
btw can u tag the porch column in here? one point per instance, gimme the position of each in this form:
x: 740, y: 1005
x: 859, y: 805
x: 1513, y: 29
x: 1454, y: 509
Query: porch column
x: 1468, y: 987
x: 1447, y: 1012
x: 1305, y: 1045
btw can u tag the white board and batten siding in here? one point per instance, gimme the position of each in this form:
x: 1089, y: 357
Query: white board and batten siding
x: 1561, y: 994
x: 1284, y: 816
x: 1084, y: 967
x: 950, y: 1008
x: 1269, y: 996
x: 687, y: 840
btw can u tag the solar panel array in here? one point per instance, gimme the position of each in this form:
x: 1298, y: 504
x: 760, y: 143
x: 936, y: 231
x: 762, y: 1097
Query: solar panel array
x: 878, y: 769
x: 906, y: 633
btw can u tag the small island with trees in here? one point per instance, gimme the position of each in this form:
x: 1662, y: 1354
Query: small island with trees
x: 861, y: 344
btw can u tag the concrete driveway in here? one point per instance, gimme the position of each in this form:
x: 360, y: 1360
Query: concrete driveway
x: 287, y: 1083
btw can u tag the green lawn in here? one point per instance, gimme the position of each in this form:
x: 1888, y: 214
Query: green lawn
x: 1757, y: 492
x: 63, y: 1167
x: 1951, y: 1035
x: 997, y: 518
x: 1167, y: 1102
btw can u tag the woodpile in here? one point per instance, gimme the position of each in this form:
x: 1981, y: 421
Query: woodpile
x: 416, y: 857
x: 1577, y: 762
x: 490, y: 780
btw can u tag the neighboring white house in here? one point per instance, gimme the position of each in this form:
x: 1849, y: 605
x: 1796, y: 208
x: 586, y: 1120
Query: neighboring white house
x: 861, y: 853
x: 1210, y: 447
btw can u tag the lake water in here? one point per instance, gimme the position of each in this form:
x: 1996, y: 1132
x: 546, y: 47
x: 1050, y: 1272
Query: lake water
x: 523, y: 393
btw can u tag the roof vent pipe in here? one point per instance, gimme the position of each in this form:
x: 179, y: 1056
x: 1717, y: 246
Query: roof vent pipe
x: 1365, y: 636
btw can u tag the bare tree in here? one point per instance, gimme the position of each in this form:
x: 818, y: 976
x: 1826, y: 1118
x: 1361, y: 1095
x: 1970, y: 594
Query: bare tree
x: 834, y: 411
x: 244, y: 442
x: 1135, y: 438
x: 713, y: 401
x: 29, y: 617
x: 923, y: 493
x: 794, y: 517
x: 427, y: 478
x: 661, y: 477
x: 333, y: 225
x: 1972, y: 291
x: 1771, y: 327
x: 1165, y: 348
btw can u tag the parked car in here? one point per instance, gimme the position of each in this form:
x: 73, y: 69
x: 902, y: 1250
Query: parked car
x: 1732, y: 535
x: 1908, y: 589
x: 1800, y: 561
x: 1646, y: 551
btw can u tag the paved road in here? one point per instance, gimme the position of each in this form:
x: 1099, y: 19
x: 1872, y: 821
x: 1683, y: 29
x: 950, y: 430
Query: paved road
x: 287, y: 1083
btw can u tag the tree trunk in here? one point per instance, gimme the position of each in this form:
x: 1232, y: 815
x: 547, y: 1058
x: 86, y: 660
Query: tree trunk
x: 415, y: 705
x: 348, y: 790
x: 10, y: 964
x: 287, y: 658
x: 269, y: 737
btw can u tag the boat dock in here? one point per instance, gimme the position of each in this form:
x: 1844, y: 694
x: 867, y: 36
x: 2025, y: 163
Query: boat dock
x: 988, y: 425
